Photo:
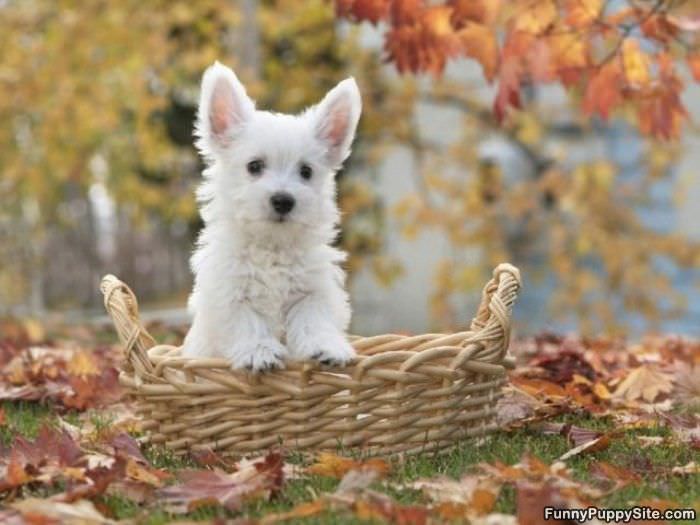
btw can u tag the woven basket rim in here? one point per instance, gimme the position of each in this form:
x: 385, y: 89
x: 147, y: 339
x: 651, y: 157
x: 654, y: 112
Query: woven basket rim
x: 492, y: 321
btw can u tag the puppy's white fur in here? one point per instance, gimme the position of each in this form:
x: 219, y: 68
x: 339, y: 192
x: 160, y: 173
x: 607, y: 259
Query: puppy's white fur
x: 268, y: 287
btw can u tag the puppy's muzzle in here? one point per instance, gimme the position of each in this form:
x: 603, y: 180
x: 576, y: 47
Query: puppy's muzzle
x: 282, y: 203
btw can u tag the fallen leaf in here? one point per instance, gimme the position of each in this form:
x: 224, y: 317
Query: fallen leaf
x: 645, y: 383
x: 256, y: 479
x: 469, y: 497
x: 328, y: 464
x: 690, y: 468
x: 593, y: 445
x: 81, y: 512
x: 620, y: 476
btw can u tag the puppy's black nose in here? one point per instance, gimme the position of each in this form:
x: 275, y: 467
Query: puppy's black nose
x: 282, y: 203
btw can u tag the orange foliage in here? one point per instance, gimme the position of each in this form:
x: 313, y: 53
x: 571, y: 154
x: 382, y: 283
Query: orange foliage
x: 578, y: 43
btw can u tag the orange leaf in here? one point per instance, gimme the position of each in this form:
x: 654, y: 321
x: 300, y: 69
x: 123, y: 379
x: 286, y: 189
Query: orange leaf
x: 405, y: 12
x: 328, y: 464
x: 581, y: 13
x: 603, y: 91
x: 694, y: 65
x: 539, y: 387
x: 480, y: 43
x: 535, y: 16
x: 303, y: 510
x: 658, y: 27
x: 480, y: 11
x: 620, y: 475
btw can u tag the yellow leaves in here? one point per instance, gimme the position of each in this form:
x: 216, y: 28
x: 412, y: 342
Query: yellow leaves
x: 635, y: 64
x: 535, y: 16
x: 568, y: 50
x: 644, y: 383
x: 83, y: 364
x: 328, y: 464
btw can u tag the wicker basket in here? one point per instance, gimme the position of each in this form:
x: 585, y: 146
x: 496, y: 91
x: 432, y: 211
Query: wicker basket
x: 402, y: 393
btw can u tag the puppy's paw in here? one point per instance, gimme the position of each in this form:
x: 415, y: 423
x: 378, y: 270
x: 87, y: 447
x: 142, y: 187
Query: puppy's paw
x: 329, y: 348
x: 264, y: 355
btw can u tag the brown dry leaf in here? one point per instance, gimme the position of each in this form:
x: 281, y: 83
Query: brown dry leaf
x: 620, y: 476
x: 532, y: 498
x: 687, y: 382
x: 258, y: 478
x: 575, y: 435
x: 514, y: 406
x: 593, y: 445
x: 303, y: 510
x: 644, y: 383
x: 52, y: 455
x: 539, y: 388
x: 471, y: 496
x: 81, y: 512
x: 83, y: 364
x: 136, y: 471
x: 650, y: 441
x: 690, y: 468
x: 372, y: 505
x: 331, y: 465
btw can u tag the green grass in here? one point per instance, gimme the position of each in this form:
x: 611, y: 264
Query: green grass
x: 651, y: 463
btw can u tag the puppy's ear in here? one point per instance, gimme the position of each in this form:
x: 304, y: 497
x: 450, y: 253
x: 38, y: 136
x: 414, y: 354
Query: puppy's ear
x: 335, y: 120
x: 224, y: 109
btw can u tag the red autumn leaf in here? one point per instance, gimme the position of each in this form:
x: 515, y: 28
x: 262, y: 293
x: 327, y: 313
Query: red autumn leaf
x: 508, y: 94
x: 51, y: 455
x: 369, y: 10
x: 406, y: 12
x: 127, y: 446
x: 209, y: 458
x: 658, y: 27
x: 602, y: 93
x: 256, y: 479
x: 561, y: 366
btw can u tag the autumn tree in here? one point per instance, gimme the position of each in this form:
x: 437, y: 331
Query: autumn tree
x: 98, y: 92
x: 576, y: 224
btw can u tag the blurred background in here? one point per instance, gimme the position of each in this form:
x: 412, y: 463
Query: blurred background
x: 97, y: 168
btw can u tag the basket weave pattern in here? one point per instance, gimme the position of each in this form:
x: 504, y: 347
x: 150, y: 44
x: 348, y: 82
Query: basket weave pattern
x: 401, y: 394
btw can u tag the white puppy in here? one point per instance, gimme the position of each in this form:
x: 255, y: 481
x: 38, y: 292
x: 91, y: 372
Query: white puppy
x: 268, y: 284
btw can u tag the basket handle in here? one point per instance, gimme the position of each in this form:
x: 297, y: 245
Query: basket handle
x: 122, y: 307
x: 493, y: 318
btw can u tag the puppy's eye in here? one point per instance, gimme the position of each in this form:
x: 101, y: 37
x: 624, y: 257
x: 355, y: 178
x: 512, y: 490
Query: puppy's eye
x: 305, y: 171
x: 255, y: 167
